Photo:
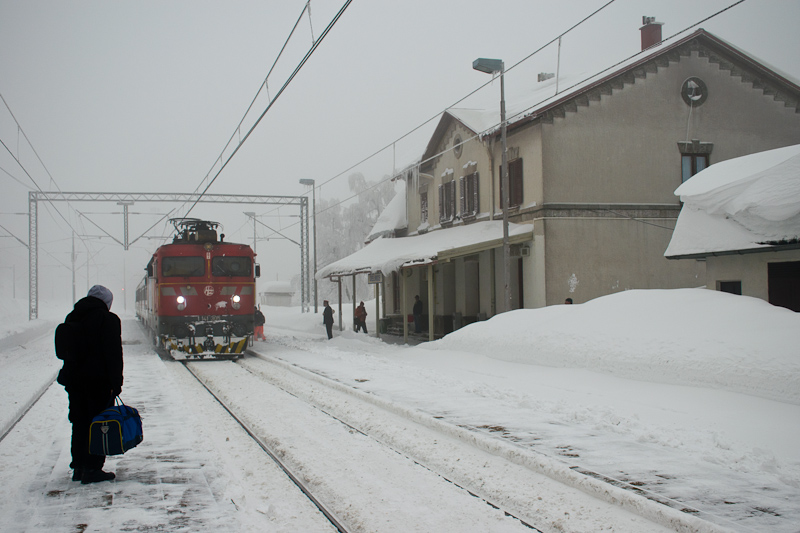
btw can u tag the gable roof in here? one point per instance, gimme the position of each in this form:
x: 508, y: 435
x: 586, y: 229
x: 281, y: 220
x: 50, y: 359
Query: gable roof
x: 742, y: 205
x: 542, y: 104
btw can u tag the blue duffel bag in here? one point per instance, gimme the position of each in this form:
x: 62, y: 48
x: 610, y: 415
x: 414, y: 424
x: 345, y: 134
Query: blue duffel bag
x: 116, y: 430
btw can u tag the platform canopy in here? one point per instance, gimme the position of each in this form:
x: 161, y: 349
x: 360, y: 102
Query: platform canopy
x: 389, y: 255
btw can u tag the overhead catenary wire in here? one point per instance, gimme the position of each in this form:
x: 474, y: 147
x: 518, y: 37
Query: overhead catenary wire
x: 515, y: 115
x: 308, y: 55
x: 264, y: 85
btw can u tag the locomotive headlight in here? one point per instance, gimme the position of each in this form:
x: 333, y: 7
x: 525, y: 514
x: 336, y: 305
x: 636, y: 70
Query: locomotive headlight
x: 236, y: 299
x: 181, y: 303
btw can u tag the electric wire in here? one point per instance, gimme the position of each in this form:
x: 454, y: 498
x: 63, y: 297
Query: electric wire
x: 262, y: 86
x: 515, y: 115
x: 275, y: 98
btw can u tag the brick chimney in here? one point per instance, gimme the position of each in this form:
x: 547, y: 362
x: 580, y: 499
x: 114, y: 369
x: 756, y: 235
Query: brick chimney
x: 651, y: 32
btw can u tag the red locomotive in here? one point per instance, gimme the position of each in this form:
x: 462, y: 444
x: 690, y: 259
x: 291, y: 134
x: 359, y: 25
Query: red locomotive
x: 198, y: 296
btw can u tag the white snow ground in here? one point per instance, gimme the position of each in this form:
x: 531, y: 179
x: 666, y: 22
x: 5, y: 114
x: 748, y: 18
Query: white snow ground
x: 691, y: 393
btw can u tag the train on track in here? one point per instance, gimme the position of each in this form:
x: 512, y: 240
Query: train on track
x: 199, y: 294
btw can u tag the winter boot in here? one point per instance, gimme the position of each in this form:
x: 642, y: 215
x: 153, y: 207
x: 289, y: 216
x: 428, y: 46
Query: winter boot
x: 77, y: 474
x: 94, y: 476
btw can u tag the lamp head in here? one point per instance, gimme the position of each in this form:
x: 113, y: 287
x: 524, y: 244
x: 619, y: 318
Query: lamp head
x: 489, y: 66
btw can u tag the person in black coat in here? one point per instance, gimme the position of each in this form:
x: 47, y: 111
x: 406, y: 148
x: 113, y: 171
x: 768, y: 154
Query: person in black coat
x: 417, y: 312
x: 327, y: 318
x: 259, y: 320
x: 93, y: 378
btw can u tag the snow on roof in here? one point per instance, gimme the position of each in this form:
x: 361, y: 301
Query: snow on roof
x: 280, y: 287
x: 388, y: 255
x: 487, y: 121
x: 740, y: 204
x: 393, y: 215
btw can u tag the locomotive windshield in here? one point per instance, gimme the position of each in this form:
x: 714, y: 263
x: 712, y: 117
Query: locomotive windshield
x: 230, y: 266
x: 182, y: 266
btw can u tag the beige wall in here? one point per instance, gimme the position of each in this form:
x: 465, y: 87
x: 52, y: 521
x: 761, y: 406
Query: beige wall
x: 473, y: 150
x: 588, y: 258
x: 624, y: 149
x: 620, y: 149
x: 750, y: 269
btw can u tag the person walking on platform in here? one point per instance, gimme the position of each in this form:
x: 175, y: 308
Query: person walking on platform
x: 259, y: 320
x: 327, y: 318
x: 361, y: 318
x: 92, y: 376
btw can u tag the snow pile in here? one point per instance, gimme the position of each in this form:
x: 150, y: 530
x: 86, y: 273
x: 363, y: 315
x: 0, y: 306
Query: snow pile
x: 394, y: 214
x: 687, y: 336
x: 740, y: 204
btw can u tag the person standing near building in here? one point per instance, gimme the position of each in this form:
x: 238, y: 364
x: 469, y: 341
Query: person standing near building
x: 327, y: 318
x: 259, y: 320
x: 417, y: 312
x: 361, y: 318
x: 92, y: 376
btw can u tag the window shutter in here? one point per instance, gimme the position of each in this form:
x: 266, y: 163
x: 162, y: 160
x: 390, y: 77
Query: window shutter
x: 516, y: 183
x: 475, y: 182
x: 462, y: 184
x: 441, y: 204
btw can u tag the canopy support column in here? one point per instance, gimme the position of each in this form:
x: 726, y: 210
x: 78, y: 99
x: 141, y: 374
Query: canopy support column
x: 354, y: 302
x: 403, y: 307
x: 431, y: 306
x: 339, y: 281
x: 377, y: 310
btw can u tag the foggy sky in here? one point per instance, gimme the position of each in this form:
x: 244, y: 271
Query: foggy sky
x: 142, y: 97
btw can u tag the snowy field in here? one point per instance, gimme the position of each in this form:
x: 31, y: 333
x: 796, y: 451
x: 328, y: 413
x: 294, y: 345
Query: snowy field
x: 690, y: 395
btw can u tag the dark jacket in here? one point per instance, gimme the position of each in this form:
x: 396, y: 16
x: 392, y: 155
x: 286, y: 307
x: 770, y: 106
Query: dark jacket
x: 259, y: 318
x: 99, y: 365
x: 327, y: 315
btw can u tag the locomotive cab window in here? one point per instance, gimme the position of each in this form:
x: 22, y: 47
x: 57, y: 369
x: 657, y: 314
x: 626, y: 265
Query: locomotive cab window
x: 230, y: 266
x: 182, y: 266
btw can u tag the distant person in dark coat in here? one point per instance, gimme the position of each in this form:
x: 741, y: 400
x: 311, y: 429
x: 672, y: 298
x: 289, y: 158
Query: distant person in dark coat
x: 259, y: 320
x: 327, y: 318
x: 361, y: 318
x: 93, y: 379
x: 417, y: 312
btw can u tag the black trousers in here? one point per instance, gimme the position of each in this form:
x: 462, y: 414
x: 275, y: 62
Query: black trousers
x: 83, y: 406
x: 329, y: 328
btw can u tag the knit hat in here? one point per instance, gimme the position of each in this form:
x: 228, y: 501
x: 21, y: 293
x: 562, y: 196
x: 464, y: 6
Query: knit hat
x: 101, y: 293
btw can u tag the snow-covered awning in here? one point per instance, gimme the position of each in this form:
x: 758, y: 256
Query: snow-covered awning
x: 746, y: 204
x: 389, y: 255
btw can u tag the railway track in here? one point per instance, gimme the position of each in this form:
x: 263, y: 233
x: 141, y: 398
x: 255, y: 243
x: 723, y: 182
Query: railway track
x: 329, y: 515
x: 9, y: 427
x: 521, y: 495
x: 359, y: 481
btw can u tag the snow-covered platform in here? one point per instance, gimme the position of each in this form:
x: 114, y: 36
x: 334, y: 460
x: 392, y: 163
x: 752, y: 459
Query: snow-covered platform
x: 185, y: 476
x: 162, y: 485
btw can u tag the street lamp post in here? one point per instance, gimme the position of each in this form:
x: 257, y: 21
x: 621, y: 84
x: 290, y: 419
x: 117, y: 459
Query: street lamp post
x: 311, y: 183
x: 493, y: 66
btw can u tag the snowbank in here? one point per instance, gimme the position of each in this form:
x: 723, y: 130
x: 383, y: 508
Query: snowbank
x: 687, y: 336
